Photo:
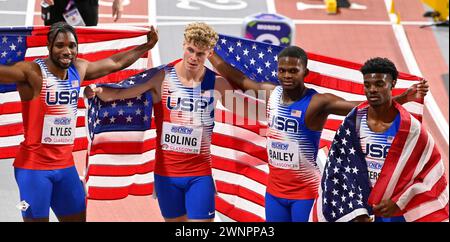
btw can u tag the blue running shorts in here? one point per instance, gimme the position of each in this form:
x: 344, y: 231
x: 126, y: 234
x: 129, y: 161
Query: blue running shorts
x: 287, y: 210
x: 193, y: 195
x: 59, y: 189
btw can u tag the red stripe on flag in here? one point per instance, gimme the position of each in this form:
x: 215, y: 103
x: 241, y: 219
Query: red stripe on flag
x: 123, y: 147
x: 114, y: 193
x: 237, y: 167
x: 427, y: 196
x: 234, y: 213
x: 121, y: 170
x: 437, y: 216
x: 11, y: 129
x: 239, y: 145
x: 240, y: 191
x: 397, y: 148
x: 411, y: 165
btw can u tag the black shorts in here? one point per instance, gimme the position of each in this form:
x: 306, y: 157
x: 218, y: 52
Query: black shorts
x: 88, y: 10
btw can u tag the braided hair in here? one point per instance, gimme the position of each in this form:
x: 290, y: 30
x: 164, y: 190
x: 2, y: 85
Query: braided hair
x: 60, y: 27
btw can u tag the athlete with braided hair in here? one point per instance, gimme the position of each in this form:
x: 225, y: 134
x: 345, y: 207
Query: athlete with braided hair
x: 49, y: 89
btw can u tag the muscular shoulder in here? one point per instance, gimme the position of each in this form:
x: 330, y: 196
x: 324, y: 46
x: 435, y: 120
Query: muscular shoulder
x: 31, y: 70
x: 320, y: 100
x: 81, y: 65
x: 222, y: 84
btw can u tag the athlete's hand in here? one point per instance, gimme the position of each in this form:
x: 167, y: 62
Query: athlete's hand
x: 92, y: 90
x: 362, y: 219
x: 417, y: 91
x: 152, y: 37
x: 386, y: 208
x: 49, y: 2
x: 117, y: 9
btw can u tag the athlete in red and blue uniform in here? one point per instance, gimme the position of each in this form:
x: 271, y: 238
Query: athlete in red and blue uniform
x: 292, y: 151
x: 49, y: 89
x: 376, y: 145
x: 184, y: 94
x: 297, y: 115
x: 184, y: 124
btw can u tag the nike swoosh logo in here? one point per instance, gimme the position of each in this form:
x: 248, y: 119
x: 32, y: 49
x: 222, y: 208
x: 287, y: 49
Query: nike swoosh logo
x: 210, y: 213
x: 170, y: 91
x: 48, y: 86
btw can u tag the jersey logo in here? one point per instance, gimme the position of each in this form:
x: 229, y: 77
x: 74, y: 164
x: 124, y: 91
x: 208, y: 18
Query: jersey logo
x: 377, y: 150
x: 187, y: 104
x: 285, y: 124
x: 62, y: 97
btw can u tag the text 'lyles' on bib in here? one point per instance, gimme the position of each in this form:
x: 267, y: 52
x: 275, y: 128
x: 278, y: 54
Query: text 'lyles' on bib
x: 181, y: 138
x: 283, y: 154
x: 58, y: 129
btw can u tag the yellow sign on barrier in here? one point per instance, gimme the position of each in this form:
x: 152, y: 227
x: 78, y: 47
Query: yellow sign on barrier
x: 331, y: 6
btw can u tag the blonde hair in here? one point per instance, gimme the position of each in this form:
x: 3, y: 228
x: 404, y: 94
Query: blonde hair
x: 201, y: 35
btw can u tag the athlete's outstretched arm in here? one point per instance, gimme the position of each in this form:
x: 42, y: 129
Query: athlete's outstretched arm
x: 339, y: 106
x: 118, y: 61
x: 413, y: 93
x: 237, y: 77
x: 16, y: 73
x: 109, y: 94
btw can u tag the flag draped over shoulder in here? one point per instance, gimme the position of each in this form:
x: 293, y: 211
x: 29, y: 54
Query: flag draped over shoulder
x: 119, y: 165
x: 29, y: 43
x: 413, y: 175
x: 239, y: 160
x: 121, y: 152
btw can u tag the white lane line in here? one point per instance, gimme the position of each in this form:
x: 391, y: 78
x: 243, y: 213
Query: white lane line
x: 271, y: 6
x: 297, y: 22
x: 188, y: 19
x: 29, y: 19
x: 14, y: 12
x: 414, y: 69
x: 207, y: 22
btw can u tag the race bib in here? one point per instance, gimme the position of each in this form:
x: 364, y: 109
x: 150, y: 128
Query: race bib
x: 73, y: 17
x: 180, y: 138
x: 58, y: 129
x: 283, y: 154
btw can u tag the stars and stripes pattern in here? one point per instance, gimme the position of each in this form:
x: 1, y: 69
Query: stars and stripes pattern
x: 121, y: 162
x: 413, y: 176
x: 29, y: 43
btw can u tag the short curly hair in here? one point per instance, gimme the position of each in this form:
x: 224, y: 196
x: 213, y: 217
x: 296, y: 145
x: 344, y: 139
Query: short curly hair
x: 380, y: 65
x: 296, y: 52
x: 201, y: 35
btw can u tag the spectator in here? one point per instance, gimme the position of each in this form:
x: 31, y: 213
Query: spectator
x: 76, y: 12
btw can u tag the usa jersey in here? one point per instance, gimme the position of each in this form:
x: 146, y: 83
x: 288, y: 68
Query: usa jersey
x: 291, y: 148
x: 185, y: 121
x: 49, y: 122
x: 375, y: 145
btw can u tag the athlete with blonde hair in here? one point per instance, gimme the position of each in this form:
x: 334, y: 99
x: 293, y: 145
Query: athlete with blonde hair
x: 184, y: 94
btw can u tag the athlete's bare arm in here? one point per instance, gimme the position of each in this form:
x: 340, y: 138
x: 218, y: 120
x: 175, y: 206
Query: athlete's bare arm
x: 19, y: 72
x: 238, y: 78
x: 325, y: 104
x: 92, y: 70
x: 108, y: 94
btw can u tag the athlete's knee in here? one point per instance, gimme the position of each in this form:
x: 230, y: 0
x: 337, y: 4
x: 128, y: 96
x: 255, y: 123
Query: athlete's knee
x: 177, y: 219
x: 79, y: 217
x: 33, y: 220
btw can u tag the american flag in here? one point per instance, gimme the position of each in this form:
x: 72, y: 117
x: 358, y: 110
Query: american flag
x: 121, y: 163
x: 239, y: 160
x: 413, y: 176
x: 29, y: 43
